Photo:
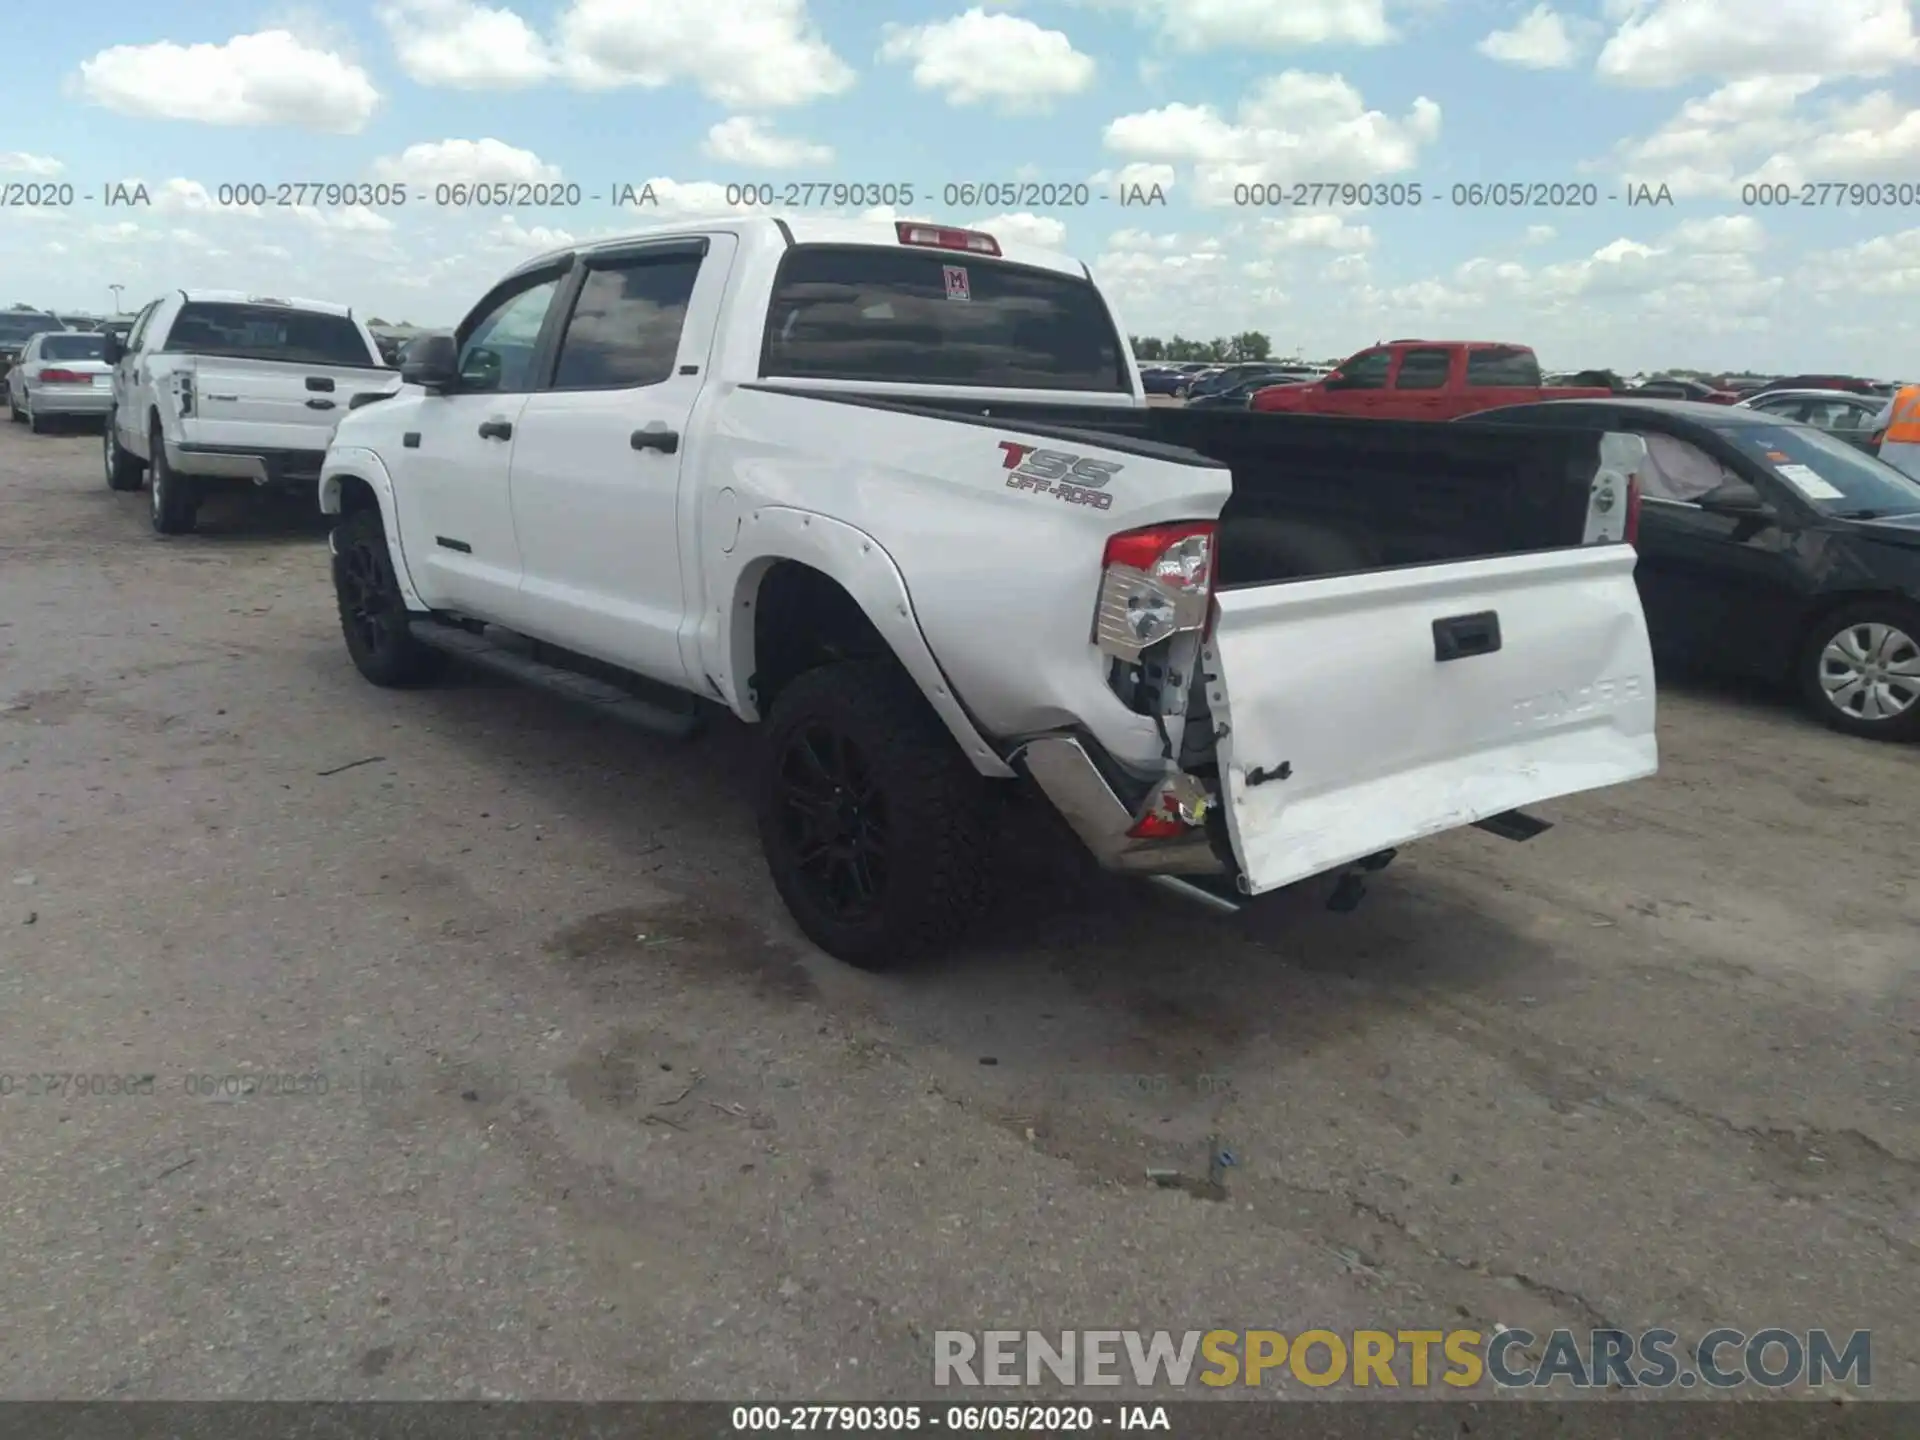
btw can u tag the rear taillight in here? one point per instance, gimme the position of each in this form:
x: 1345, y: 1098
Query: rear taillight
x: 64, y: 377
x: 1155, y: 583
x: 942, y: 237
x: 1633, y: 510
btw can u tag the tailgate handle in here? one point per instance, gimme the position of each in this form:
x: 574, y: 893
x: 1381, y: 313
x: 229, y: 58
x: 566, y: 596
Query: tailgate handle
x: 322, y: 383
x: 1460, y: 636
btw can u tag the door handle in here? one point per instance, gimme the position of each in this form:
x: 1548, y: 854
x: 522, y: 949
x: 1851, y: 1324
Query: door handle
x: 320, y: 404
x: 656, y: 437
x: 496, y: 430
x: 320, y: 382
x: 1461, y: 636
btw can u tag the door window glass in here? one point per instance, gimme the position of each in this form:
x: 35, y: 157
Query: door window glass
x: 1367, y: 371
x: 625, y: 328
x: 1423, y: 369
x: 498, y: 352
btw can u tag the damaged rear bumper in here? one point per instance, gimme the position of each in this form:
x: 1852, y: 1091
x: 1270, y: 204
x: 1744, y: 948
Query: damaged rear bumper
x: 1065, y: 770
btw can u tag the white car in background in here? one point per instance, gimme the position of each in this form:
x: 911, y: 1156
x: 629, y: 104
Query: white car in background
x: 60, y: 374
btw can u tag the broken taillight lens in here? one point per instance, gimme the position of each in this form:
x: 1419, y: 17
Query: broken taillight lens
x: 1154, y: 584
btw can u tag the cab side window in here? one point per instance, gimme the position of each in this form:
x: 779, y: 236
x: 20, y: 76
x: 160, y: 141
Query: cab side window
x: 625, y: 328
x: 497, y: 351
x: 137, y: 337
x: 1424, y: 369
x: 1366, y: 371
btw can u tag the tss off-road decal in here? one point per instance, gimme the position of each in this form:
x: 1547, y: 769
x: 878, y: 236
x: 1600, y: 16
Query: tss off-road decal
x: 1076, y: 479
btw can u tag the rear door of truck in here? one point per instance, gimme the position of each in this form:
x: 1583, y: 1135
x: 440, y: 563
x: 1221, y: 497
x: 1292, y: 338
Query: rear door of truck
x: 269, y: 375
x: 1414, y: 631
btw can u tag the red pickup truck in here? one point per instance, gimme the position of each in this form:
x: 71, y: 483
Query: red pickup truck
x: 1422, y: 380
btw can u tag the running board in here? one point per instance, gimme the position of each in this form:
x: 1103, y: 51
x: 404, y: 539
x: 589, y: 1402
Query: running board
x: 596, y: 695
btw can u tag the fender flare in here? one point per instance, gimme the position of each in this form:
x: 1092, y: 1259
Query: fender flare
x: 346, y: 462
x: 862, y: 566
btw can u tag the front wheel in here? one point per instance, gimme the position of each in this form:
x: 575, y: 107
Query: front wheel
x: 373, y: 615
x: 1861, y: 670
x: 876, y: 830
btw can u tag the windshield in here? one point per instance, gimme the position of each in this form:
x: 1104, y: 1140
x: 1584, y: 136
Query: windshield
x: 73, y: 347
x: 17, y: 327
x: 269, y: 332
x: 1832, y: 474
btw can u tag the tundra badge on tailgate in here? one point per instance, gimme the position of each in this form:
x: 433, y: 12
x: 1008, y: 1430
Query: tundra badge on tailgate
x: 1077, y: 479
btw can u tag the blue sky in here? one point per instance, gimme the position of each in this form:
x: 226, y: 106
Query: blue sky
x: 1205, y: 98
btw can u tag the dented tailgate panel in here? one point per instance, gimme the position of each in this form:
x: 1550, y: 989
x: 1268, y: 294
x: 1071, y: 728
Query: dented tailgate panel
x: 1366, y: 711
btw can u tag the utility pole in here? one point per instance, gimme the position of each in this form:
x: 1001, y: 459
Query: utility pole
x: 116, y: 289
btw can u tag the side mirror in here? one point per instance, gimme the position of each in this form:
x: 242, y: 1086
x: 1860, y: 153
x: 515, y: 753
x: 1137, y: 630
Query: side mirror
x: 112, y: 349
x: 1734, y: 497
x: 433, y: 363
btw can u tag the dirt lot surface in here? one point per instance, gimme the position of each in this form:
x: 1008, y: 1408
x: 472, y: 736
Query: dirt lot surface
x: 597, y: 1122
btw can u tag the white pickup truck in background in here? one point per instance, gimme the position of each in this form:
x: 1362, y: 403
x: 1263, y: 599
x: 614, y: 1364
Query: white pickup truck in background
x: 216, y: 388
x: 894, y: 492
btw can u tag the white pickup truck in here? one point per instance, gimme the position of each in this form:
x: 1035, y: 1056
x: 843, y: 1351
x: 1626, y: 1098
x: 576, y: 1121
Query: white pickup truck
x: 894, y: 491
x: 213, y: 388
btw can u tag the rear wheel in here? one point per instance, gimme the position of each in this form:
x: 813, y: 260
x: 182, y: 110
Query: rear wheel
x: 124, y: 470
x: 36, y: 423
x: 1860, y: 671
x: 175, y: 499
x: 876, y: 830
x: 373, y: 616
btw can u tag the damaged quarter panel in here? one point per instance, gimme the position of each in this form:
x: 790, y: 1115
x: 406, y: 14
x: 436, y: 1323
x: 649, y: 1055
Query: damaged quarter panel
x: 1001, y: 531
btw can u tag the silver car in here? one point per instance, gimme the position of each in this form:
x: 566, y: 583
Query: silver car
x: 60, y: 374
x: 1841, y: 413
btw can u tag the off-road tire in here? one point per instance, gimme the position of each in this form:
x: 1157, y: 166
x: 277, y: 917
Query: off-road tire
x: 175, y: 498
x: 124, y: 469
x: 938, y: 815
x: 373, y: 616
x: 1887, y: 610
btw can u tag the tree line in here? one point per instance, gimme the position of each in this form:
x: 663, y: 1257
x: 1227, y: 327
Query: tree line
x: 1251, y: 345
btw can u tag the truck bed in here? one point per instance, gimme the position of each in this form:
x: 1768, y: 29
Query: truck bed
x: 1317, y: 495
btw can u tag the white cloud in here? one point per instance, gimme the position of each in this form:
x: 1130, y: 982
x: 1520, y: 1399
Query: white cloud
x: 465, y: 46
x: 743, y: 140
x: 19, y: 162
x: 1323, y: 231
x: 1265, y: 24
x: 1295, y: 125
x: 1025, y: 228
x: 1778, y: 131
x: 447, y: 162
x: 1538, y: 235
x: 1541, y: 41
x: 682, y: 199
x: 347, y: 219
x: 1144, y: 174
x: 980, y: 57
x: 748, y: 54
x: 269, y: 78
x: 1883, y: 265
x: 1665, y: 42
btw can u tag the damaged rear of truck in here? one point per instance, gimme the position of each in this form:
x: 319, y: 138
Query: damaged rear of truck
x: 1237, y: 651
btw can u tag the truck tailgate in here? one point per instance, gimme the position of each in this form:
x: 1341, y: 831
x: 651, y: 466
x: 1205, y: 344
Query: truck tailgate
x: 273, y: 404
x: 1364, y: 711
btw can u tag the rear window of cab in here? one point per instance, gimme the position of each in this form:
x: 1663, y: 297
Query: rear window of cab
x: 933, y: 317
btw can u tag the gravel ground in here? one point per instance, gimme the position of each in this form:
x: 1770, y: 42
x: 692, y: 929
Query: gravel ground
x: 598, y: 1123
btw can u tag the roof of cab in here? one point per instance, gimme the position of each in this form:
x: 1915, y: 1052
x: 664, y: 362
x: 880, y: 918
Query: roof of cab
x: 242, y: 297
x: 811, y: 230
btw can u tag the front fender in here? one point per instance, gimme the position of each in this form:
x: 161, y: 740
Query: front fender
x: 355, y: 462
x: 868, y: 573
